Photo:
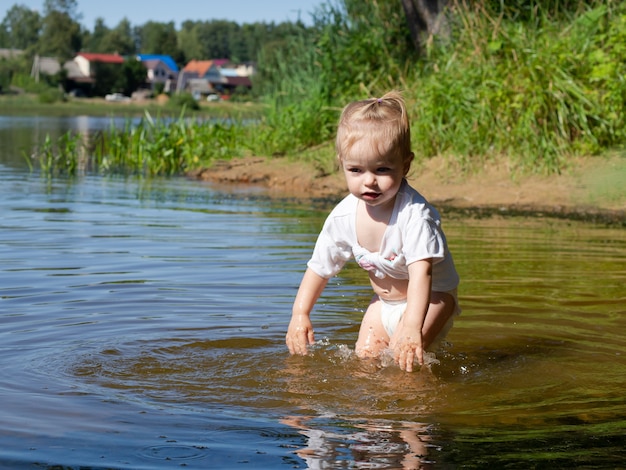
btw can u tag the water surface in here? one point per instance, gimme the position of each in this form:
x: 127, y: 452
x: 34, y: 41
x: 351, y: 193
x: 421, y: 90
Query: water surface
x: 142, y: 326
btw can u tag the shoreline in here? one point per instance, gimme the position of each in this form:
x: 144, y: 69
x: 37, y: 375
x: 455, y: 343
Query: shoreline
x: 589, y: 189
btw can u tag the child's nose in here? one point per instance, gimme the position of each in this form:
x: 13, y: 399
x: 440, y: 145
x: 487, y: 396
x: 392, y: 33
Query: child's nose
x: 370, y: 179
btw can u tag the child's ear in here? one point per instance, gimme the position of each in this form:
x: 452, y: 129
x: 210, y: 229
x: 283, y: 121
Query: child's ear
x: 407, y: 162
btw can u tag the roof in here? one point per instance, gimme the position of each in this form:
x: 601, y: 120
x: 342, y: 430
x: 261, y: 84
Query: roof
x: 201, y: 67
x: 106, y: 58
x: 166, y: 59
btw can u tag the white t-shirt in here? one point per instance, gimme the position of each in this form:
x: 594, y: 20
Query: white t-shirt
x: 414, y: 233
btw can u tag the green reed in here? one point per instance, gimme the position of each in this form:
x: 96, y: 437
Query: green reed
x: 535, y: 88
x: 536, y: 92
x: 150, y: 147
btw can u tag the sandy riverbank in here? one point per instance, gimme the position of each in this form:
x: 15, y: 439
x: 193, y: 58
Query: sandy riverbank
x: 589, y: 188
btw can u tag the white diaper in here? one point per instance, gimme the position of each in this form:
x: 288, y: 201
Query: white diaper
x: 390, y: 313
x: 392, y: 310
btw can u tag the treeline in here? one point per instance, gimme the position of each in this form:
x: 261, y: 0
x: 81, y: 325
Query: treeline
x: 534, y: 82
x: 57, y: 32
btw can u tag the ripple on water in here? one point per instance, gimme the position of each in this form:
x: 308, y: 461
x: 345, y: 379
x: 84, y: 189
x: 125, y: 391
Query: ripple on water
x: 243, y: 373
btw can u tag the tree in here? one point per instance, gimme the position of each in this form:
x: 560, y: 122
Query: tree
x: 92, y: 42
x: 159, y: 38
x: 120, y: 39
x: 188, y: 41
x: 133, y: 75
x: 21, y: 28
x: 424, y: 19
x: 215, y: 38
x: 107, y: 78
x: 61, y: 35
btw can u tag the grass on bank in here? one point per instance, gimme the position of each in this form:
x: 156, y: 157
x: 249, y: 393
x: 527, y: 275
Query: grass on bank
x: 30, y: 104
x: 536, y: 91
x: 149, y: 147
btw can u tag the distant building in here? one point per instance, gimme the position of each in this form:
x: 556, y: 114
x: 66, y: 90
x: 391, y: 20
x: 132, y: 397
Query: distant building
x: 161, y: 69
x: 10, y: 53
x: 85, y: 61
x: 217, y: 75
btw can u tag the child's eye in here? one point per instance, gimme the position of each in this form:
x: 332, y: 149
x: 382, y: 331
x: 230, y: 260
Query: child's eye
x: 384, y: 169
x: 354, y: 170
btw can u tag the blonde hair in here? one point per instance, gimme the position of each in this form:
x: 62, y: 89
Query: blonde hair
x: 384, y: 121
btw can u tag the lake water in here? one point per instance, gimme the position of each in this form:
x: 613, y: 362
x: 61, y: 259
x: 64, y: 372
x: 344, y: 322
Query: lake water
x: 142, y: 326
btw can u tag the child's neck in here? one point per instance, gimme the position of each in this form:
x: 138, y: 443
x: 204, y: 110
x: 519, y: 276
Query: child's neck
x: 371, y: 224
x: 381, y: 213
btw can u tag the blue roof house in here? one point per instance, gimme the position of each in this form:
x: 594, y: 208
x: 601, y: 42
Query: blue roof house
x: 161, y: 69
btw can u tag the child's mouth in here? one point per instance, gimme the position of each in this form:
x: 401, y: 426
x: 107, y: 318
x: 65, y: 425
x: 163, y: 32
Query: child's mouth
x: 371, y: 195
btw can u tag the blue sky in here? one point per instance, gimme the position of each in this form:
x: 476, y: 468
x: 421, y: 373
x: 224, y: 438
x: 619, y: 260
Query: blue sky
x: 139, y: 12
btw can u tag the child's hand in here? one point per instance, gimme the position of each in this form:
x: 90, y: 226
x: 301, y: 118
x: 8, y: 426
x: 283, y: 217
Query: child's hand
x: 407, y: 346
x: 299, y: 334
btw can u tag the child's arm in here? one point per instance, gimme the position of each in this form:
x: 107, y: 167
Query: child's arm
x: 407, y: 341
x: 300, y: 331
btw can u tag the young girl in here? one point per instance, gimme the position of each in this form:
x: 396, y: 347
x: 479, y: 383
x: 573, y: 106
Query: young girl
x: 392, y: 232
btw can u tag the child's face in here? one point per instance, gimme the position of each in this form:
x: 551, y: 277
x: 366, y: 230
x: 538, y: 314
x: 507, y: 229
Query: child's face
x: 373, y: 178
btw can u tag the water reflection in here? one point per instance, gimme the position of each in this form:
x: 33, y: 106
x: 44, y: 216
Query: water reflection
x: 143, y: 321
x: 363, y: 444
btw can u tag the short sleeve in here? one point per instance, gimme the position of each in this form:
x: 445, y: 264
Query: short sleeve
x: 331, y: 251
x: 423, y: 239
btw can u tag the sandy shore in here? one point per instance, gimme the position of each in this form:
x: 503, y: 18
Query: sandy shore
x: 592, y: 188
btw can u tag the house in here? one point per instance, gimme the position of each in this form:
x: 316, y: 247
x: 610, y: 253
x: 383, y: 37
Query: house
x: 85, y: 60
x: 162, y: 69
x: 45, y: 66
x: 10, y: 53
x: 233, y: 79
x: 218, y: 74
x: 51, y: 66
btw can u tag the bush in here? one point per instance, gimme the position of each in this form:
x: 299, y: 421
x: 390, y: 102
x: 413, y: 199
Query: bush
x: 51, y: 95
x: 183, y: 100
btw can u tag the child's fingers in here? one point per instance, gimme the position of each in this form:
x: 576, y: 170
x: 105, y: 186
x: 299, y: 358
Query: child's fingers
x: 297, y: 343
x: 410, y: 356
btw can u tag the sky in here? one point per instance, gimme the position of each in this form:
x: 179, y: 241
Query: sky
x: 139, y: 12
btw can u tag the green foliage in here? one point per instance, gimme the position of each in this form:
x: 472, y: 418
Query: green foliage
x: 133, y: 76
x: 184, y: 101
x: 537, y: 10
x: 61, y: 33
x: 21, y: 27
x: 30, y: 85
x: 51, y: 95
x: 152, y: 147
x: 355, y: 48
x: 109, y: 78
x: 536, y: 84
x: 534, y: 94
x: 118, y: 40
x: 159, y: 38
x: 60, y: 158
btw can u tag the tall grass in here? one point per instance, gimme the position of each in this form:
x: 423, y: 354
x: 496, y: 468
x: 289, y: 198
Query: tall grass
x: 536, y: 92
x: 151, y: 147
x: 533, y: 82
